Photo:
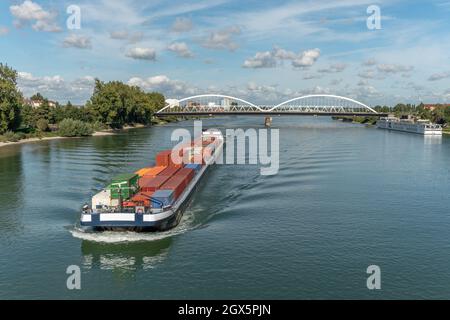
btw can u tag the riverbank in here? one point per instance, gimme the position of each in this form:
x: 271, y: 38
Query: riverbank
x: 108, y: 132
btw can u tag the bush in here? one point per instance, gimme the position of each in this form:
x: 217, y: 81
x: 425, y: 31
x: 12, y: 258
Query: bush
x: 42, y: 125
x: 98, y: 126
x: 10, y: 136
x: 74, y: 128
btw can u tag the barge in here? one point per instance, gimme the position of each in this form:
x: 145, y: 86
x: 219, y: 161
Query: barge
x: 154, y: 198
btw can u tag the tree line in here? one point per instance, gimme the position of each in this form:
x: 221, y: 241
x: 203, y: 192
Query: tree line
x: 112, y: 105
x: 440, y: 115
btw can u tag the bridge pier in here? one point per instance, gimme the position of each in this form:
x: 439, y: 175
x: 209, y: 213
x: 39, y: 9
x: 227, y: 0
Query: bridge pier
x: 268, y: 121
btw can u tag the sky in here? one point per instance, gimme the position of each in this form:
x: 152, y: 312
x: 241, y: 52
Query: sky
x: 263, y: 51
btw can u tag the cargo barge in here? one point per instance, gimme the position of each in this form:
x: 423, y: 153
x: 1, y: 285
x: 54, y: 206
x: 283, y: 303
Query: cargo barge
x: 154, y: 198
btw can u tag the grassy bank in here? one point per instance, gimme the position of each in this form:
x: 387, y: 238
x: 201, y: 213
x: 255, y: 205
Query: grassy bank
x: 362, y: 120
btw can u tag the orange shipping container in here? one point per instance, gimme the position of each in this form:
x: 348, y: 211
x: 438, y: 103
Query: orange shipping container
x: 151, y: 171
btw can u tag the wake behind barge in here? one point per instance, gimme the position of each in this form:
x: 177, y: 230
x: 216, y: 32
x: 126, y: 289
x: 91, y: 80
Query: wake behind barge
x: 154, y: 198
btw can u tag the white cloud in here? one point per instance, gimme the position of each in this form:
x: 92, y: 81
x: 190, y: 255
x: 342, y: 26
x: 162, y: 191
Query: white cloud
x: 261, y: 60
x: 77, y: 41
x: 309, y: 76
x: 162, y: 83
x: 142, y: 53
x: 131, y: 37
x: 439, y: 76
x: 29, y: 12
x: 334, y: 68
x: 269, y: 59
x: 369, y: 62
x: 222, y: 39
x: 394, y: 68
x: 368, y: 74
x: 306, y: 58
x: 182, y: 24
x: 181, y: 49
x: 56, y: 88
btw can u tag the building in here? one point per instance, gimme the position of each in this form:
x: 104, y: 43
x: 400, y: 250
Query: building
x: 433, y: 107
x: 37, y: 103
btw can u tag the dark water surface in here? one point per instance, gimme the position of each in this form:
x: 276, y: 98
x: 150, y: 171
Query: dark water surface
x: 346, y: 197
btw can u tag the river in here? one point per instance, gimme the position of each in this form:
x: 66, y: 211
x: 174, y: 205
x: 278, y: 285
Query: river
x: 346, y: 197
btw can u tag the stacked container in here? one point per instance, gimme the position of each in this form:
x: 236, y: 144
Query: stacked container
x: 153, y: 171
x: 124, y: 185
x: 152, y: 184
x: 162, y: 198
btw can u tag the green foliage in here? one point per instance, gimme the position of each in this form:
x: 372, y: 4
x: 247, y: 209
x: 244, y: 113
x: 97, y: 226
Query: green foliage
x: 42, y: 125
x: 10, y: 99
x: 10, y: 136
x: 74, y: 128
x: 115, y: 103
x: 37, y: 97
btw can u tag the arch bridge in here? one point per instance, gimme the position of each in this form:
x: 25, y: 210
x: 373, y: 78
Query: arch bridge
x: 218, y: 104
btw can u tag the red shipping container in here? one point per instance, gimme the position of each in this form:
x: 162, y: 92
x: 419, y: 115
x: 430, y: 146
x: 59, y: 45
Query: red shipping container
x: 177, y: 184
x: 153, y: 184
x: 169, y: 171
x: 162, y: 158
x: 142, y: 199
x: 188, y: 173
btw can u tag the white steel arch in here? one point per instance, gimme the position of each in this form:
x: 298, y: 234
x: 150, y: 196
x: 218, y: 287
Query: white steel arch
x: 214, y: 96
x: 323, y: 96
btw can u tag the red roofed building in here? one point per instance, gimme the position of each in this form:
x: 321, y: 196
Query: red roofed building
x: 433, y: 107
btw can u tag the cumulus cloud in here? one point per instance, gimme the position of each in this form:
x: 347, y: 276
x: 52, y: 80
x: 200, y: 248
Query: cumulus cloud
x: 270, y: 59
x: 439, y: 76
x: 394, y: 68
x: 222, y: 39
x: 369, y: 62
x: 131, y: 37
x: 142, y: 54
x: 182, y: 24
x: 367, y: 74
x: 30, y: 12
x: 162, y: 83
x: 261, y: 60
x: 77, y: 41
x: 181, y: 49
x: 55, y: 87
x: 306, y: 58
x: 334, y: 68
x: 309, y: 76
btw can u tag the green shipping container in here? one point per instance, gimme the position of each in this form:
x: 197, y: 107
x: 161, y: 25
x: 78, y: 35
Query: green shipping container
x: 124, y: 184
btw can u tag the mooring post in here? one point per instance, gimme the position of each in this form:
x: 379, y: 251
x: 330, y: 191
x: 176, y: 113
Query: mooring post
x: 268, y: 121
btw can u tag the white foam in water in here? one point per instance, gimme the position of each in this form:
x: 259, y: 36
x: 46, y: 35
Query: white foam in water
x: 130, y: 236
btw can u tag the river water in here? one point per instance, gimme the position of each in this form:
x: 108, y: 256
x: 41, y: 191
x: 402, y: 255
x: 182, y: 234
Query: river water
x: 346, y: 197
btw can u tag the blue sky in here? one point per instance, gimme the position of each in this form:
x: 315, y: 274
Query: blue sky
x: 262, y: 51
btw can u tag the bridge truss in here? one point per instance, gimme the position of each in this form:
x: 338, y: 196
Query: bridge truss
x: 217, y: 104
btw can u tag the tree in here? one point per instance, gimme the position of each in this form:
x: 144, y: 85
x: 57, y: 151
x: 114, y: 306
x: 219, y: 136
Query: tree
x: 37, y: 97
x: 115, y: 103
x: 42, y: 125
x: 10, y: 99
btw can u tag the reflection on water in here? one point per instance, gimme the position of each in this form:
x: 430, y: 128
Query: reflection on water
x: 432, y: 139
x: 11, y: 176
x: 125, y: 258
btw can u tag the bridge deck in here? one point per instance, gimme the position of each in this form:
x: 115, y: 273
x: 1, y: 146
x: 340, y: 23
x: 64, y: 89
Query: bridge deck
x: 262, y: 113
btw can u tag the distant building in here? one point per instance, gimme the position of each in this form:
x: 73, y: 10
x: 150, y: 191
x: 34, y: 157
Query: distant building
x: 433, y: 107
x: 37, y: 103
